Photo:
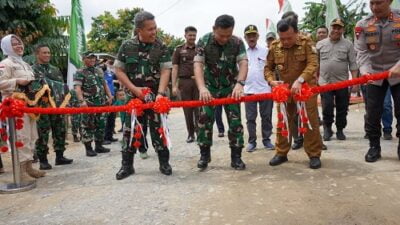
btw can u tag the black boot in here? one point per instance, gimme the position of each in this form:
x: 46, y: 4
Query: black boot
x: 373, y: 154
x: 1, y: 165
x: 76, y: 139
x: 127, y: 166
x: 340, y: 135
x: 328, y: 133
x: 61, y: 160
x: 236, y: 159
x: 398, y: 150
x: 44, y: 163
x: 297, y: 143
x: 163, y: 158
x: 89, y: 149
x: 205, y: 157
x: 99, y: 147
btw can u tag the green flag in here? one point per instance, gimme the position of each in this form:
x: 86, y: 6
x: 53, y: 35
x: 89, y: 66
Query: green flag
x: 331, y: 12
x: 395, y: 4
x: 77, y: 40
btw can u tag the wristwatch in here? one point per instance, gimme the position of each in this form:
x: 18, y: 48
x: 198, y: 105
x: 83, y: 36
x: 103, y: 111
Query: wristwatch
x: 300, y: 79
x: 241, y: 82
x: 163, y: 93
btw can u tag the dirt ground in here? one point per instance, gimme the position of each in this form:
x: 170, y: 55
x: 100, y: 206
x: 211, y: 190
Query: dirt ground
x: 346, y: 190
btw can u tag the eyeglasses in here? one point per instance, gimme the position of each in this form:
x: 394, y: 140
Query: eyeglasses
x: 16, y: 44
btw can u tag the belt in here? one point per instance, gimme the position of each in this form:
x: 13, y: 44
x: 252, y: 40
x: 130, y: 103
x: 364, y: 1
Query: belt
x: 186, y: 77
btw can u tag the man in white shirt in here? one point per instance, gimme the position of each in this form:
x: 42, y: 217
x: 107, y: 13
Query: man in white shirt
x: 256, y: 84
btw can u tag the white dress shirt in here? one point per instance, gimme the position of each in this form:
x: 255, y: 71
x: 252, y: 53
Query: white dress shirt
x: 255, y: 81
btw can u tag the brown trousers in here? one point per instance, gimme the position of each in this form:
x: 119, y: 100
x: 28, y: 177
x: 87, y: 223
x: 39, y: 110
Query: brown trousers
x: 312, y: 138
x: 189, y: 91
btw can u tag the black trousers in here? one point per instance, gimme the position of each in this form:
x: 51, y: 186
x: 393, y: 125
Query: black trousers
x: 218, y: 119
x: 265, y: 108
x: 338, y: 99
x: 110, y: 126
x: 375, y: 97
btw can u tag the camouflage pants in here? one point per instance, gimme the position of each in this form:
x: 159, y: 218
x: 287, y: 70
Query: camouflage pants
x: 148, y: 119
x: 206, y: 122
x: 55, y: 124
x: 93, y: 125
x: 76, y: 124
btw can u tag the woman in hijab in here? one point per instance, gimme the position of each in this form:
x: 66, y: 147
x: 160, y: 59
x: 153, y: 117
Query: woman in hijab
x: 15, y: 72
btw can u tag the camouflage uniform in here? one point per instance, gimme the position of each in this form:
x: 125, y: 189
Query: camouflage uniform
x: 91, y: 81
x: 75, y: 118
x: 220, y: 75
x: 56, y: 123
x: 142, y: 63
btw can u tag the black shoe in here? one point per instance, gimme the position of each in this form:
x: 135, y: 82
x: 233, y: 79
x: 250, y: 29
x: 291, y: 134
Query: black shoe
x: 61, y: 160
x: 340, y: 135
x: 163, y: 158
x: 221, y: 134
x: 328, y: 133
x: 127, y: 166
x: 373, y: 154
x: 297, y: 145
x: 76, y: 139
x: 106, y: 142
x: 89, y: 149
x: 205, y: 157
x: 387, y: 136
x: 190, y: 139
x: 120, y: 130
x: 315, y: 163
x: 277, y: 160
x: 113, y: 139
x: 236, y: 159
x: 99, y: 148
x: 324, y: 147
x: 44, y: 163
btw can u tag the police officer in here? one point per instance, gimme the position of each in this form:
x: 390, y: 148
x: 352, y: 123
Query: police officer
x: 91, y: 90
x: 143, y: 62
x: 295, y: 58
x: 182, y: 68
x: 377, y: 42
x: 220, y: 68
x: 56, y: 123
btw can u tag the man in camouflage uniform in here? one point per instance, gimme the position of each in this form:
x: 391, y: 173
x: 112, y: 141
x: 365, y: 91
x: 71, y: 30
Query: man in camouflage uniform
x: 75, y: 118
x: 91, y: 90
x: 56, y: 123
x: 143, y: 62
x: 218, y: 75
x: 293, y: 60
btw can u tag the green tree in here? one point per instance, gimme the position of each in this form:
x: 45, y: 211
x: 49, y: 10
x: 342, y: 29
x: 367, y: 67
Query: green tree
x: 108, y: 32
x: 351, y: 12
x: 35, y: 21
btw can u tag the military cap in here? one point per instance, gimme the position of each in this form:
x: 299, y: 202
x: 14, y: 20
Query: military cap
x: 251, y: 29
x: 88, y: 54
x: 338, y: 22
x: 271, y: 35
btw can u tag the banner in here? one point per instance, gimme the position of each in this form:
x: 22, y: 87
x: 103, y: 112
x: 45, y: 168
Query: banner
x: 77, y: 41
x: 331, y: 12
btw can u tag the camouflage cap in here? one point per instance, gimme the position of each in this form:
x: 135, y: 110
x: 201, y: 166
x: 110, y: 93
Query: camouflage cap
x: 88, y: 54
x: 338, y: 22
x: 251, y: 29
x: 270, y: 35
